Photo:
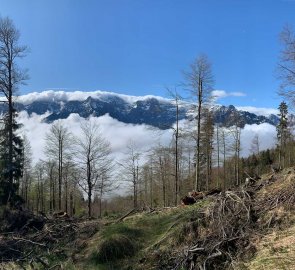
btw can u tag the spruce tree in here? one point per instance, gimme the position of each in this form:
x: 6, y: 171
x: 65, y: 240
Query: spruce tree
x: 282, y: 131
x: 8, y: 187
x: 11, y: 76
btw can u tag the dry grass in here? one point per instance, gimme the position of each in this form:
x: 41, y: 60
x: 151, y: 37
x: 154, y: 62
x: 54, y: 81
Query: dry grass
x: 275, y: 251
x: 276, y: 247
x: 249, y: 228
x: 228, y: 230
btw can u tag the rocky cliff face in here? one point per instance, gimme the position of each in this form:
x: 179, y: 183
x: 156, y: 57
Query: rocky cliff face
x: 152, y: 111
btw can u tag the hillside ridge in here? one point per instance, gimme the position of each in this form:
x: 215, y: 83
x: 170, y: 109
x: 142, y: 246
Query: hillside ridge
x: 224, y: 231
x: 248, y: 227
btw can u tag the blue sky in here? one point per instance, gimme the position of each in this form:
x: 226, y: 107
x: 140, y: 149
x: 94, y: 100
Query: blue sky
x: 140, y: 47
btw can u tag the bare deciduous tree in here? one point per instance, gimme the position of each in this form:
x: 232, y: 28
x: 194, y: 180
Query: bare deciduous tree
x: 50, y: 168
x: 286, y: 65
x: 27, y: 170
x: 176, y: 135
x: 224, y: 151
x: 39, y: 187
x: 199, y: 80
x: 236, y: 134
x: 207, y: 144
x: 93, y: 157
x: 130, y: 168
x: 105, y: 185
x: 58, y: 147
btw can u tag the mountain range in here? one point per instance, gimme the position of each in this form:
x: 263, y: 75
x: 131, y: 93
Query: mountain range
x: 149, y: 110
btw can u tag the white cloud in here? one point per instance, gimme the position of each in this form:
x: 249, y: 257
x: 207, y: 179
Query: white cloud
x: 265, y: 132
x: 117, y: 133
x: 62, y: 96
x: 259, y: 111
x: 218, y: 94
x: 35, y: 130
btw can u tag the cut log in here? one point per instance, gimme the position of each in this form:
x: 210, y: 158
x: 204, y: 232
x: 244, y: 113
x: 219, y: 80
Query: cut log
x: 213, y: 191
x: 60, y: 214
x: 188, y: 200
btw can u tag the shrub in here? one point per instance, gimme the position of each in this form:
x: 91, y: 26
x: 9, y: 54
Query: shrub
x: 116, y: 247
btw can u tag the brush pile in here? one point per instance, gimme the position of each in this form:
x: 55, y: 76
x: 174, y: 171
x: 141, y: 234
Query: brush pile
x: 222, y: 232
x: 39, y: 238
x: 225, y: 232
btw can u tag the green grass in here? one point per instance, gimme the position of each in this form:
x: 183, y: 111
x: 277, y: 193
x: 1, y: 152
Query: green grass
x: 125, y: 243
x: 122, y: 229
x: 116, y: 247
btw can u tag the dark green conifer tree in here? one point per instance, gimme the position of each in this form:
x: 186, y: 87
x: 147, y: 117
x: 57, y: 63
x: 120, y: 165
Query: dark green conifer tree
x: 8, y: 188
x: 11, y: 76
x: 282, y: 132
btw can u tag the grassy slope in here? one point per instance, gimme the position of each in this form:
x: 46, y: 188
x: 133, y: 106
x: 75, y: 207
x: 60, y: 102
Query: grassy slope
x: 155, y: 235
x: 143, y: 240
x: 151, y: 236
x: 276, y: 249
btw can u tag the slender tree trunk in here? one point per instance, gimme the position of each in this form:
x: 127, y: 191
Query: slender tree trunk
x: 208, y: 168
x: 189, y: 163
x: 176, y: 154
x: 71, y: 204
x: 26, y: 193
x: 224, y: 161
x: 10, y: 138
x: 197, y: 184
x: 151, y: 187
x: 50, y: 194
x: 163, y: 180
x: 89, y: 202
x: 60, y: 174
x: 135, y: 181
x: 53, y: 194
x: 100, y: 203
x: 146, y: 186
x: 89, y: 187
x: 42, y: 198
x: 218, y: 157
x: 238, y: 156
x: 66, y: 195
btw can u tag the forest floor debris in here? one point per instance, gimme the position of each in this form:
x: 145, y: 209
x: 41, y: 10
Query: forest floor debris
x: 221, y: 231
x: 39, y: 247
x: 235, y: 229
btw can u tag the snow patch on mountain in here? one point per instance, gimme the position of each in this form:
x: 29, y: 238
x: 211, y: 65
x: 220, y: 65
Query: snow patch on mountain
x: 259, y: 111
x: 123, y: 118
x: 63, y: 96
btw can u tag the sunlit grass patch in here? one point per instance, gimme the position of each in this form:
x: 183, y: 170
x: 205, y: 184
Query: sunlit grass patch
x: 116, y: 247
x: 275, y: 251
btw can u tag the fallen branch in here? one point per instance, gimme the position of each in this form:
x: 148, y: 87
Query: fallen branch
x: 126, y: 215
x: 29, y: 241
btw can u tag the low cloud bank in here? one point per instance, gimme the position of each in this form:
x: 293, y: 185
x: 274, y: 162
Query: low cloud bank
x: 117, y: 133
x: 120, y: 134
x: 259, y: 111
x: 265, y: 132
x: 51, y: 95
